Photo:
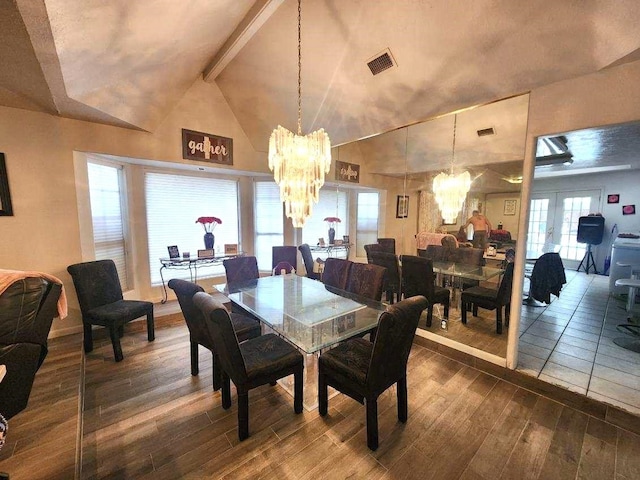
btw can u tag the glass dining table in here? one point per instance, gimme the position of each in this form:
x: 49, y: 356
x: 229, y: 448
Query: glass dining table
x: 307, y: 313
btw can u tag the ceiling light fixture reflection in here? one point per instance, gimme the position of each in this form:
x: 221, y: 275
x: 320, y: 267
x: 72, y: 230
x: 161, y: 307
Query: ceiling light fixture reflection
x: 449, y: 189
x: 299, y: 162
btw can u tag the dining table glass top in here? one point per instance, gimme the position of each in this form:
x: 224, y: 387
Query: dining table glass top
x: 306, y: 312
x: 465, y: 270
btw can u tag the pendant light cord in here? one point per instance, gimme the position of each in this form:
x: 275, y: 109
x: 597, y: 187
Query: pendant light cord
x: 299, y: 67
x: 453, y: 147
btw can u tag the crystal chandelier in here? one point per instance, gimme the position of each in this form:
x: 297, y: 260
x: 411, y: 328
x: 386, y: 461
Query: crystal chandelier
x: 299, y: 162
x: 451, y: 190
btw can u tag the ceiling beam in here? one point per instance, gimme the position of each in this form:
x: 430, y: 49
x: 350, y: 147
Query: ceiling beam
x: 250, y: 24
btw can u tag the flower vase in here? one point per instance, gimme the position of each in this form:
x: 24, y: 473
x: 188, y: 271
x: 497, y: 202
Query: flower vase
x: 332, y: 235
x: 209, y: 240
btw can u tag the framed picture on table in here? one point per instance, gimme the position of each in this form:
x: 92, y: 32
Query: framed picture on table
x: 402, y: 206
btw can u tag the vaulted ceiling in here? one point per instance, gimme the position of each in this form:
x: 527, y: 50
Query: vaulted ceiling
x: 128, y: 63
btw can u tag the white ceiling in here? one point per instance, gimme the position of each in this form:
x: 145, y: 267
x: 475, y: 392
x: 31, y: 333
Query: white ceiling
x: 128, y: 63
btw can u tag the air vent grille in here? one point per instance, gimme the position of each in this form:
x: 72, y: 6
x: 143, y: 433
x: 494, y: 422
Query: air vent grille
x: 381, y: 62
x: 486, y: 131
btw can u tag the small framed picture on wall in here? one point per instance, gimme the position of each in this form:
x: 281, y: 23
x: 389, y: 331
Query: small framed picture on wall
x: 402, y: 207
x: 510, y: 207
x: 613, y: 198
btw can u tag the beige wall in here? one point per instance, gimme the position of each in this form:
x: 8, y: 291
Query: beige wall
x: 494, y: 210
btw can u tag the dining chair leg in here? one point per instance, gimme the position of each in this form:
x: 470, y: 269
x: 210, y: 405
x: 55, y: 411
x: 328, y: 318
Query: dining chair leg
x: 216, y: 372
x: 297, y: 390
x: 429, y: 314
x: 372, y: 422
x: 323, y: 394
x: 446, y: 311
x: 151, y: 334
x: 195, y: 368
x: 403, y: 408
x: 507, y: 313
x: 499, y: 320
x: 226, y: 391
x: 121, y: 331
x: 475, y: 310
x: 88, y: 337
x: 463, y: 312
x: 243, y: 413
x: 115, y: 342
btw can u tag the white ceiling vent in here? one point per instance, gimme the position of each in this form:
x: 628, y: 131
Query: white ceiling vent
x: 381, y: 62
x: 486, y: 131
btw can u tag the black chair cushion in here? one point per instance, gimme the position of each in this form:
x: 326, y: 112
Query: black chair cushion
x: 245, y: 327
x: 118, y: 312
x: 351, y: 359
x: 267, y: 355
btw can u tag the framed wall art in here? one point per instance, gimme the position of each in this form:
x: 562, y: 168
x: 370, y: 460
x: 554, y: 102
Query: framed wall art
x: 402, y: 206
x: 510, y: 207
x: 613, y: 198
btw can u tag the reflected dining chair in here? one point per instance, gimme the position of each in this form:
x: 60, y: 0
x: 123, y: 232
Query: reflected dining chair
x: 363, y: 370
x: 392, y: 284
x: 387, y: 245
x: 249, y: 364
x: 372, y: 247
x: 245, y: 327
x: 490, y: 299
x: 418, y: 279
x: 101, y: 303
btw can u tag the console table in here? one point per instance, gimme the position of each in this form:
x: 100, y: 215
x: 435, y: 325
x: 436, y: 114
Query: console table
x: 331, y: 248
x: 191, y: 264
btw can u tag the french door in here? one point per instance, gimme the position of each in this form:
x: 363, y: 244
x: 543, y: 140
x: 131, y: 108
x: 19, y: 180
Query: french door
x: 553, y: 220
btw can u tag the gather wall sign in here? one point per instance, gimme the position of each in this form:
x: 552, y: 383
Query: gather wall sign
x: 207, y: 147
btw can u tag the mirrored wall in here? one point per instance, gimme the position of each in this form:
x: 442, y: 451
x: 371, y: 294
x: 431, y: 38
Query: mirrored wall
x: 488, y: 142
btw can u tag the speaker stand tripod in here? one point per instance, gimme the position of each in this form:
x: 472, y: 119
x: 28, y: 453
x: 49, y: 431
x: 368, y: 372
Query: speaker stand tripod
x: 588, y: 256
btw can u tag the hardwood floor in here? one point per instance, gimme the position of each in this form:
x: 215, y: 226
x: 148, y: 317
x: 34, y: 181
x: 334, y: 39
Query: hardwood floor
x: 148, y: 418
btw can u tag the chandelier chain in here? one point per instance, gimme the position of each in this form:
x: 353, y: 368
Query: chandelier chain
x: 453, y: 147
x: 299, y: 67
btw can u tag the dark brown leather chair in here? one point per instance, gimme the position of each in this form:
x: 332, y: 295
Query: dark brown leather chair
x: 366, y: 280
x: 101, y: 303
x: 240, y: 269
x: 418, y: 279
x: 27, y: 309
x: 249, y: 364
x: 490, y: 299
x: 307, y: 258
x: 363, y: 370
x: 245, y: 327
x: 336, y: 272
x: 392, y: 280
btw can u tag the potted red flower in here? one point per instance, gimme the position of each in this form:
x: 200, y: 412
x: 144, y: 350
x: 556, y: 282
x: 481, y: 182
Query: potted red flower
x: 209, y: 225
x: 332, y: 232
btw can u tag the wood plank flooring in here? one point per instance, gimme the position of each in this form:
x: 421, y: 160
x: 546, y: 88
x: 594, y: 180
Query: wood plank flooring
x: 148, y: 418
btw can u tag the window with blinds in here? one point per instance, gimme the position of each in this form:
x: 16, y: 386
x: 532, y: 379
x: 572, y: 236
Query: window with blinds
x: 269, y: 223
x: 367, y: 223
x: 106, y: 187
x: 331, y: 203
x: 174, y: 202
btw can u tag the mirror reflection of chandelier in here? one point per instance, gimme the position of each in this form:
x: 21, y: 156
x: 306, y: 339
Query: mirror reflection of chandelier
x: 299, y: 162
x: 451, y: 190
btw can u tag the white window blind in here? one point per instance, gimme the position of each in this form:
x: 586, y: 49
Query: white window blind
x: 332, y: 203
x: 367, y: 224
x: 174, y: 203
x: 109, y: 232
x: 269, y: 223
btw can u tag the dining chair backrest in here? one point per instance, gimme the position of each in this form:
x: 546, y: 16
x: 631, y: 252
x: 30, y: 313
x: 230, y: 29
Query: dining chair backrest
x: 220, y: 328
x: 240, y: 269
x: 449, y: 242
x: 396, y: 330
x: 96, y: 283
x: 336, y: 272
x: 307, y: 258
x: 366, y: 280
x: 390, y: 262
x: 284, y: 253
x: 417, y: 276
x: 436, y: 253
x: 470, y: 256
x: 371, y: 248
x: 504, y: 290
x: 185, y: 291
x: 387, y: 245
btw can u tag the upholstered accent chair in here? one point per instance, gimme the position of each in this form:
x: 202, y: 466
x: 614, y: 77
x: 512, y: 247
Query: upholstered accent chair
x: 245, y: 327
x: 285, y: 253
x: 490, y: 299
x: 387, y: 245
x: 307, y: 258
x: 392, y: 283
x: 366, y: 280
x: 418, y: 279
x: 372, y: 247
x: 240, y: 269
x: 249, y: 364
x: 101, y: 303
x: 336, y: 272
x: 27, y: 309
x: 363, y: 370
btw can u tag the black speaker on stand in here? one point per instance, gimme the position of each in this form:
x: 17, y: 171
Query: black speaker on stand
x: 590, y: 231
